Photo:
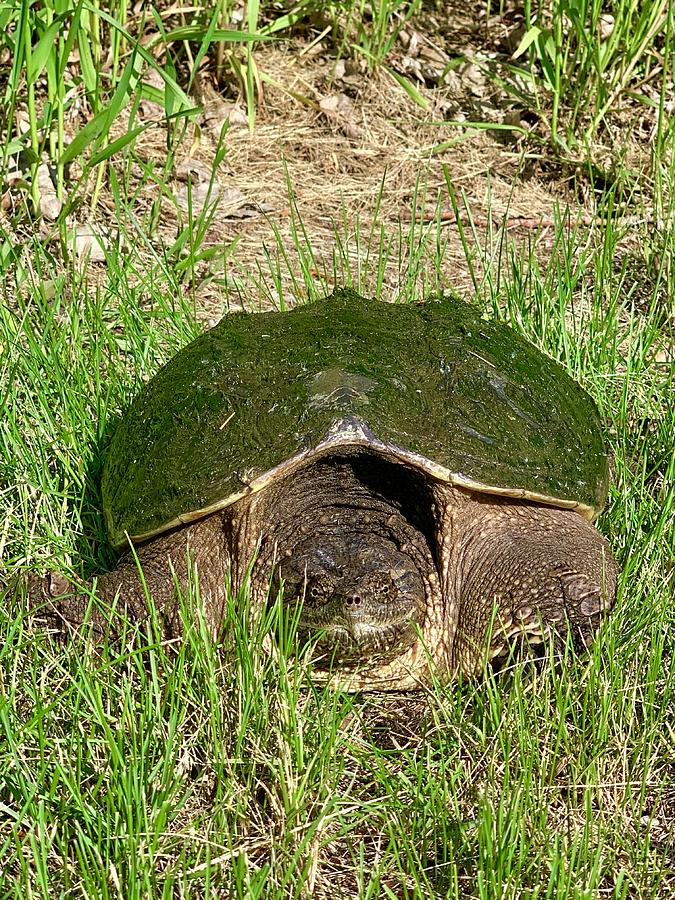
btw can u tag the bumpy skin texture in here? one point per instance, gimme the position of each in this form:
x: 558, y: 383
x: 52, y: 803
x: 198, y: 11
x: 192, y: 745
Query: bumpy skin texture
x: 471, y: 572
x: 522, y: 571
x: 161, y: 573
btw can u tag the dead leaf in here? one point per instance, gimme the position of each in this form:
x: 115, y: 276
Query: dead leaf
x: 150, y: 110
x: 410, y: 65
x: 232, y: 197
x: 423, y: 60
x: 340, y: 109
x: 250, y: 211
x: 194, y: 170
x: 194, y: 195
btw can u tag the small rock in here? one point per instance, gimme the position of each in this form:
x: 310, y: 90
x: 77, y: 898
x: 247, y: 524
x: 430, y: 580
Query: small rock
x: 605, y: 26
x: 50, y: 205
x: 91, y: 242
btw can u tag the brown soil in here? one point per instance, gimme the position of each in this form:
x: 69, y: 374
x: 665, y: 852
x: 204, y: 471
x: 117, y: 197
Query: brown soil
x: 342, y: 147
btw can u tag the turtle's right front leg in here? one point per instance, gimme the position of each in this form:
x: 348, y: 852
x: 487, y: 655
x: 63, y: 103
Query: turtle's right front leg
x: 528, y: 573
x: 159, y: 574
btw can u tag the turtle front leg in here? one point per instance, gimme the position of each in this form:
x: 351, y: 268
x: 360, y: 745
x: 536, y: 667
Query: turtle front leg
x: 160, y: 575
x: 530, y: 573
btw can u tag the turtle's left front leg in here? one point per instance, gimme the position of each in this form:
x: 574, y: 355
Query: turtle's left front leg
x: 156, y: 576
x: 531, y: 573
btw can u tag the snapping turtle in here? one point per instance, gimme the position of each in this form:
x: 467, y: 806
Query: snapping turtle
x: 421, y: 483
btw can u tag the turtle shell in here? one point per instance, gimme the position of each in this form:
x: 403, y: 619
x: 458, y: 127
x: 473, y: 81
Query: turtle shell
x: 436, y: 384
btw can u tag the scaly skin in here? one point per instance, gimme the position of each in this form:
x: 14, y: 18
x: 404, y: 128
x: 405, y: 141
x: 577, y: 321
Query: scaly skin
x: 164, y: 564
x: 522, y: 570
x: 491, y: 570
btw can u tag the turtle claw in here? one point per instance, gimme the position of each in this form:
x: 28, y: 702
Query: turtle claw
x: 57, y: 584
x: 41, y: 589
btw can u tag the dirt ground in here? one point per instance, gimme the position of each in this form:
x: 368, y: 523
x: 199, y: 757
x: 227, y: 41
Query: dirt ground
x: 344, y: 147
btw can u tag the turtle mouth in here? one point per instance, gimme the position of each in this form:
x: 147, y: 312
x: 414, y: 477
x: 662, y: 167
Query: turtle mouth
x: 357, y: 644
x: 352, y: 621
x: 357, y: 615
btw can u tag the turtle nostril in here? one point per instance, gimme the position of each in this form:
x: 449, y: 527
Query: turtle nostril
x: 353, y: 600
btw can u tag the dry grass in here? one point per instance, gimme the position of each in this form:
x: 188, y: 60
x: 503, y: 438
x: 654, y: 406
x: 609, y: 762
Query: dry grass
x: 555, y: 784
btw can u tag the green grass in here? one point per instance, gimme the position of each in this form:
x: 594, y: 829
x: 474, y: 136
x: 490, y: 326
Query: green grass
x: 566, y: 68
x: 192, y: 770
x: 583, y: 56
x: 181, y: 770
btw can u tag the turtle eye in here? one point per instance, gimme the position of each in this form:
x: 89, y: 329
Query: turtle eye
x: 383, y: 589
x: 314, y: 590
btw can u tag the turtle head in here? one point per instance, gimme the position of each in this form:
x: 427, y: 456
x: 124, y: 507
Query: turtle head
x: 356, y: 599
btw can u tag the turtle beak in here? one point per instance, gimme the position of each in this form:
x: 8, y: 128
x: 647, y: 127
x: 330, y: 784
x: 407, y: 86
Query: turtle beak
x: 353, y: 612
